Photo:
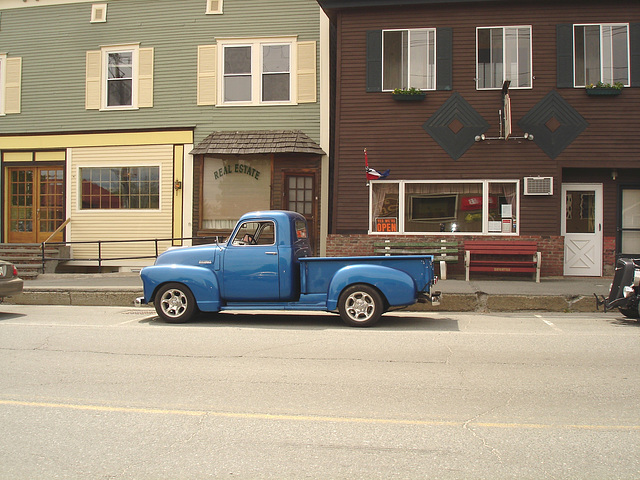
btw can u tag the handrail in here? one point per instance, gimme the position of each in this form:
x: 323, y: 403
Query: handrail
x: 58, y: 230
x: 43, y: 244
x: 100, y: 259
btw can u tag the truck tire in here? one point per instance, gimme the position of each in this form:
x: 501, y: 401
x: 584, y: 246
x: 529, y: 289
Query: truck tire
x: 360, y: 306
x: 174, y: 303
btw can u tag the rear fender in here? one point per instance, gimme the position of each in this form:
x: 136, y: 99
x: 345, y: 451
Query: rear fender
x: 201, y: 281
x: 397, y: 287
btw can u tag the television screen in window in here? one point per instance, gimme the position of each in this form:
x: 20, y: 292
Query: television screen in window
x: 430, y: 208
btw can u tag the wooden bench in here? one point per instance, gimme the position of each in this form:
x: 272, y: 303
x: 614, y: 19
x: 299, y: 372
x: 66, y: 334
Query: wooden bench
x: 444, y: 251
x: 502, y: 256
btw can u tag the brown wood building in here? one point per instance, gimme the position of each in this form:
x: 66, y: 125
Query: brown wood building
x: 508, y: 142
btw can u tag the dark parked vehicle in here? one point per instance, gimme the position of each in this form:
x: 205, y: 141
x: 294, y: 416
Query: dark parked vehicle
x: 625, y: 289
x: 10, y: 283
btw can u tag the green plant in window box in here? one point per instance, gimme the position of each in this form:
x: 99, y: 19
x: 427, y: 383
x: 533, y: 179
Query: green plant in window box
x: 604, y: 88
x: 408, y: 94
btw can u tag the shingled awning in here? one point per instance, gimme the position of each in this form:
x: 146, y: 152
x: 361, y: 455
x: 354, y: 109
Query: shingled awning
x: 257, y: 142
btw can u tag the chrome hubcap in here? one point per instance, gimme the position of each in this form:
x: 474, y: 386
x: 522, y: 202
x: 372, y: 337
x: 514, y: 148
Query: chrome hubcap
x: 173, y: 303
x: 360, y: 306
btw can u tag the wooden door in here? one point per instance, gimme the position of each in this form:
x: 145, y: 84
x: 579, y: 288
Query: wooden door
x: 300, y: 196
x: 35, y: 203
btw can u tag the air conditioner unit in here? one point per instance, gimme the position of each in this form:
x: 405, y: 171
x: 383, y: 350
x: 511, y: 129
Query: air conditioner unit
x: 538, y: 185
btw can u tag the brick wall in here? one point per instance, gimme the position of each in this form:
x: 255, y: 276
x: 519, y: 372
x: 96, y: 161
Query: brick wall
x: 609, y: 256
x: 551, y: 248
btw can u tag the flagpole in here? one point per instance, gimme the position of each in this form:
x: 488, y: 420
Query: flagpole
x: 366, y: 166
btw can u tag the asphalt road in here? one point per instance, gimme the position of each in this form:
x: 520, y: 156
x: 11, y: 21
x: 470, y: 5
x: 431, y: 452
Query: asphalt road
x: 113, y: 393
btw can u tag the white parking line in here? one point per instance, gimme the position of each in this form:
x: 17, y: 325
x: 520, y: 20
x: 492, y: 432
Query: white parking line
x: 551, y: 324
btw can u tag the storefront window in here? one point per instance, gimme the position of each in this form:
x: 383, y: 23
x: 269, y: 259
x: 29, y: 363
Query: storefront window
x: 443, y: 207
x: 385, y: 206
x: 120, y: 188
x: 502, y: 207
x: 232, y: 187
x: 474, y: 207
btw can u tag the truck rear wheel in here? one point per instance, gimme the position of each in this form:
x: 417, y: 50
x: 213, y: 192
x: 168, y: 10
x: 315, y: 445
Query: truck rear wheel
x: 174, y: 303
x: 360, y: 306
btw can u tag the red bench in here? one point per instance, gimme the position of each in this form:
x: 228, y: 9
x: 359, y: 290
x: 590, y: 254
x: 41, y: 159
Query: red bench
x: 502, y: 256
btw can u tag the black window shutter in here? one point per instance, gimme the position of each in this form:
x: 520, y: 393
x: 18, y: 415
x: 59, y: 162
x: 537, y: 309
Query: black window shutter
x: 374, y: 61
x: 634, y: 47
x: 564, y: 51
x: 444, y: 58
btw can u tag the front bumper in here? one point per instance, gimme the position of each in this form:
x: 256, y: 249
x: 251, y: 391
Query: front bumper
x: 138, y: 302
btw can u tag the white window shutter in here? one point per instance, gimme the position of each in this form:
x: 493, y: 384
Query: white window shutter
x: 93, y: 80
x: 307, y: 72
x: 13, y: 85
x: 207, y: 57
x: 145, y: 77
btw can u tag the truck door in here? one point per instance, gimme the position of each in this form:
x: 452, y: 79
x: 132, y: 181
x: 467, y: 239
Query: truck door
x: 251, y: 264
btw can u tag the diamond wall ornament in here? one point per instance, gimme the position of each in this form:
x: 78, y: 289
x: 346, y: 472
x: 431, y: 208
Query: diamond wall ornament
x: 554, y: 124
x: 455, y: 126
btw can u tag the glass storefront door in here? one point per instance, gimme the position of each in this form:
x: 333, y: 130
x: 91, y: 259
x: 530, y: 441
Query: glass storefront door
x: 629, y: 226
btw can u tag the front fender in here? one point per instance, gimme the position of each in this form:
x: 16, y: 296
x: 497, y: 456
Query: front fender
x: 201, y: 281
x: 396, y: 286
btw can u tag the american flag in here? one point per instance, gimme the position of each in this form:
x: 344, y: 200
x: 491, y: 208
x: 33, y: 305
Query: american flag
x: 370, y: 172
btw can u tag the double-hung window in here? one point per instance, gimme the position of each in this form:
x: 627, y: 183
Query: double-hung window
x: 276, y: 73
x: 237, y: 82
x: 257, y: 72
x: 119, y: 76
x: 504, y: 53
x: 408, y: 59
x: 601, y: 54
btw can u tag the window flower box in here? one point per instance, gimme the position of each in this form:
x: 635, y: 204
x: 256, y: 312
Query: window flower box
x: 409, y: 95
x: 603, y: 89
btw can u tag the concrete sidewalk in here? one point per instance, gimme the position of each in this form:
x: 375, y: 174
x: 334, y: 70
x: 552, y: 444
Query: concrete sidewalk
x: 570, y: 294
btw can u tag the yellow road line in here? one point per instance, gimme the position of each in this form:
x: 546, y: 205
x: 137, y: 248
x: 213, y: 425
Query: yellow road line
x: 309, y: 418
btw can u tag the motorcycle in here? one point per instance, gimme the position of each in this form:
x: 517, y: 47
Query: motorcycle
x: 624, y: 293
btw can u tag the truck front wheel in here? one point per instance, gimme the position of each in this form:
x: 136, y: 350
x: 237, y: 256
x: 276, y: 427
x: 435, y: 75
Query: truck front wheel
x: 174, y: 303
x: 360, y: 306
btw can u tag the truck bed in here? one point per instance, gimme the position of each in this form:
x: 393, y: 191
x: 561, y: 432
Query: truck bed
x: 317, y: 272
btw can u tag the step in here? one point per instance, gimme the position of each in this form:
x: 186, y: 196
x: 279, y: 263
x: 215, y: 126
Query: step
x: 27, y: 258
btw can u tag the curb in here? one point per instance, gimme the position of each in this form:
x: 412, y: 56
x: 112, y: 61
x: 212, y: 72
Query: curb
x: 484, y: 303
x: 96, y: 296
x: 451, y: 302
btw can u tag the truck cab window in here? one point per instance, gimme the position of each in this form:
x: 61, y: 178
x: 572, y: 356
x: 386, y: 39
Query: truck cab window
x: 255, y: 233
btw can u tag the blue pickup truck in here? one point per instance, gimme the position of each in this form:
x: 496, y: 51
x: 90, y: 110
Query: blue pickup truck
x: 265, y: 265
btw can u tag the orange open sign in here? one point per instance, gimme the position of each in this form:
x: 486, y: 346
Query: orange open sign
x: 386, y: 224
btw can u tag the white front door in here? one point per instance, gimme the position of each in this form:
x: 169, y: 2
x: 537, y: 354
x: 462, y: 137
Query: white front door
x: 582, y: 229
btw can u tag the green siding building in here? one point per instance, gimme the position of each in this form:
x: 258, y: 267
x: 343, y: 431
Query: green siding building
x: 115, y: 116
